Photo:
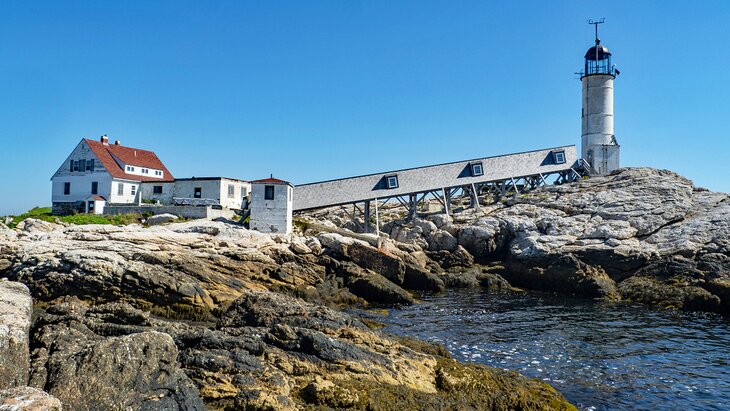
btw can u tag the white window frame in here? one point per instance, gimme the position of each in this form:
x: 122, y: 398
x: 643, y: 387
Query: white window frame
x: 391, y: 182
x: 120, y: 189
x: 474, y: 172
x: 559, y: 157
x: 133, y: 189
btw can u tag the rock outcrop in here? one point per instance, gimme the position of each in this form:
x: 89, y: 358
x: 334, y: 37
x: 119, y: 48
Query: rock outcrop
x: 267, y: 351
x: 106, y: 368
x: 638, y: 234
x: 110, y: 300
x: 16, y: 308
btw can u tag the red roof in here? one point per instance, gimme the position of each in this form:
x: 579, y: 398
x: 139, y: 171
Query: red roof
x: 97, y: 198
x: 130, y: 156
x: 271, y: 180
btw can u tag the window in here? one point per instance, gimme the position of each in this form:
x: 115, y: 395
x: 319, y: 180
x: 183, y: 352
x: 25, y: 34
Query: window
x: 82, y: 165
x: 198, y: 193
x: 66, y: 188
x: 94, y: 187
x: 120, y: 189
x: 268, y: 192
x: 559, y: 157
x: 157, y: 190
x: 231, y: 191
x: 90, y: 165
x: 76, y: 165
x: 145, y: 171
x: 134, y: 190
x: 130, y: 168
x: 391, y: 182
x: 477, y: 170
x: 158, y: 172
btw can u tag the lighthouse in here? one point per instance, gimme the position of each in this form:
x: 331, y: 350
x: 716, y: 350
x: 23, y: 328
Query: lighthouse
x: 599, y: 147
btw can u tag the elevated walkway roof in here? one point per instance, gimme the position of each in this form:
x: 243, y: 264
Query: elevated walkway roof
x: 434, y: 177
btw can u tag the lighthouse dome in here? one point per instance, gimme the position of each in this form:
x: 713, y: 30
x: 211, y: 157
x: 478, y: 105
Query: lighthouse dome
x: 597, y: 52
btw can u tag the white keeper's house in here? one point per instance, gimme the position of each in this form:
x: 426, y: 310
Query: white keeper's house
x: 97, y: 173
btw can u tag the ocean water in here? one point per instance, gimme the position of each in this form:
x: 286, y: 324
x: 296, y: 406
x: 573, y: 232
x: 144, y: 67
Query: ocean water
x: 601, y: 356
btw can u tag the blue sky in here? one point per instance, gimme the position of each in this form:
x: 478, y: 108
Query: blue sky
x: 313, y: 90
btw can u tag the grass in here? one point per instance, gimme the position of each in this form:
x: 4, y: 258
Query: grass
x: 44, y: 213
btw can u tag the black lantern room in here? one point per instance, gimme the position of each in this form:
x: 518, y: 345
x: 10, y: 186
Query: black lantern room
x: 598, y: 61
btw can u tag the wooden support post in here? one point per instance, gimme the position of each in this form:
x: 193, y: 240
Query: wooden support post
x: 377, y: 221
x: 474, y: 196
x: 413, y: 206
x: 446, y: 201
x: 366, y: 212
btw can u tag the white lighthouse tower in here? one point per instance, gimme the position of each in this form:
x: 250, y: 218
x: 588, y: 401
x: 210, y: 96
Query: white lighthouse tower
x: 598, y: 142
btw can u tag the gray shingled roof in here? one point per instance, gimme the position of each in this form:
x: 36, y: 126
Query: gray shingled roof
x: 429, y: 178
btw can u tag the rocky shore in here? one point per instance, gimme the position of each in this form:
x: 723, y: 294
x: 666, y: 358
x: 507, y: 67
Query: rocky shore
x: 203, y: 314
x: 209, y: 315
x: 640, y: 235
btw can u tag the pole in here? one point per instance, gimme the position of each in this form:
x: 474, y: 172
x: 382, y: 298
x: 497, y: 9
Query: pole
x: 377, y: 220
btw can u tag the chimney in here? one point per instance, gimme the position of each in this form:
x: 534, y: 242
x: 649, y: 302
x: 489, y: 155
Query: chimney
x: 105, y: 140
x: 117, y: 143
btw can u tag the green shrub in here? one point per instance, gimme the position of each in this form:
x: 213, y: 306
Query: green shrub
x: 44, y: 213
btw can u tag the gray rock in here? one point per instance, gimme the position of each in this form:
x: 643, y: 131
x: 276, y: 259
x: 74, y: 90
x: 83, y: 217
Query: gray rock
x: 16, y: 308
x: 442, y: 241
x: 28, y: 399
x: 314, y: 245
x: 300, y: 248
x: 372, y: 286
x: 161, y: 219
x: 136, y: 371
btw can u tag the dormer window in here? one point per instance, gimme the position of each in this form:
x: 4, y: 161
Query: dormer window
x: 130, y: 168
x: 477, y: 169
x: 145, y: 171
x: 559, y: 157
x: 391, y: 182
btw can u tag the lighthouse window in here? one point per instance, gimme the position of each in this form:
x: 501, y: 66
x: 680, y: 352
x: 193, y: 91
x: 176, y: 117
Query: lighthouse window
x: 559, y: 157
x: 477, y: 170
x: 391, y: 182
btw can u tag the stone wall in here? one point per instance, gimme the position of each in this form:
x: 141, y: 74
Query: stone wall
x: 193, y: 212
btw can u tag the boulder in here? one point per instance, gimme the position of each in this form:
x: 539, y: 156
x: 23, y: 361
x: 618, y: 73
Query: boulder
x: 314, y: 245
x: 16, y: 308
x: 28, y: 399
x: 565, y: 274
x: 300, y: 248
x: 378, y: 261
x: 161, y: 219
x: 372, y: 286
x: 462, y: 278
x: 136, y: 371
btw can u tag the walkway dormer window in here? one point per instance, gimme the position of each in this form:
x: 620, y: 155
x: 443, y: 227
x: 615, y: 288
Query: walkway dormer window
x: 391, y: 182
x: 559, y: 157
x: 477, y: 169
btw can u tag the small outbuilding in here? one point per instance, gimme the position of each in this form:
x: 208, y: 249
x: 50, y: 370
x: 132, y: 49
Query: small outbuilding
x: 94, y: 204
x: 271, y: 206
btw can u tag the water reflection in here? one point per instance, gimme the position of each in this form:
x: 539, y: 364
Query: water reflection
x: 601, y: 356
